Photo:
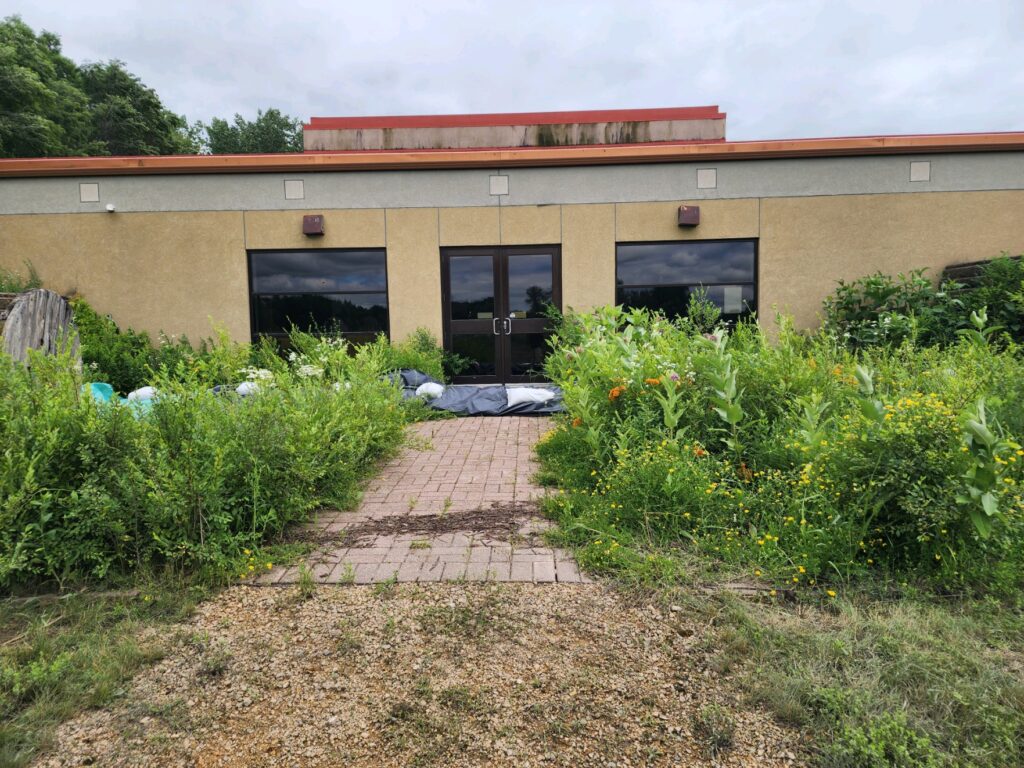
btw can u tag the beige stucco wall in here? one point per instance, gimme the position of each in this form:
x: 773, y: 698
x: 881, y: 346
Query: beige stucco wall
x: 151, y: 271
x: 177, y: 271
x: 809, y: 243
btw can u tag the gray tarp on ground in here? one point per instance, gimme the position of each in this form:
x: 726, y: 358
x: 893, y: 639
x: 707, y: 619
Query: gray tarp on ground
x: 473, y: 400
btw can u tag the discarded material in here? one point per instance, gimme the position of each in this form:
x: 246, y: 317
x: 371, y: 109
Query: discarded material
x: 42, y: 320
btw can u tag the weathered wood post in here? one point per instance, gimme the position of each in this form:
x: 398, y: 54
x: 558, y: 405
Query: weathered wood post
x: 40, y: 319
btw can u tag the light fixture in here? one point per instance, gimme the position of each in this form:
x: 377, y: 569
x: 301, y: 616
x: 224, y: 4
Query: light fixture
x: 111, y: 208
x: 689, y: 215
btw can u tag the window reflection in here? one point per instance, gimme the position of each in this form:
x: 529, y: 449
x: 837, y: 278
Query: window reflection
x: 331, y: 291
x: 663, y: 276
x: 472, y: 287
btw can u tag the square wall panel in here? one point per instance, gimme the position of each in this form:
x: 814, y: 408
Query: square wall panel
x: 89, y: 193
x: 294, y: 189
x: 499, y: 185
x: 920, y: 170
x: 707, y: 178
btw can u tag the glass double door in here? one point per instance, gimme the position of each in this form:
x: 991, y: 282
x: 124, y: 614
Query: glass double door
x: 495, y: 300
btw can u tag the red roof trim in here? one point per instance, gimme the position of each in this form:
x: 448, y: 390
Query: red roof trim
x: 605, y: 154
x: 514, y: 118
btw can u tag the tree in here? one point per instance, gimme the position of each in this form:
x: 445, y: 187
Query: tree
x: 271, y: 131
x: 42, y: 109
x: 128, y: 118
x: 49, y: 106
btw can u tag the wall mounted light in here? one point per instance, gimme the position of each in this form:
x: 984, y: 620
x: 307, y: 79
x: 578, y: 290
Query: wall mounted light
x: 313, y: 225
x: 111, y: 208
x: 689, y: 215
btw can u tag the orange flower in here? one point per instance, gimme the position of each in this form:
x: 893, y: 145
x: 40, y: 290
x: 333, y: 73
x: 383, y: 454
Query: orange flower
x: 577, y: 422
x: 652, y: 382
x: 616, y: 392
x: 699, y: 452
x: 745, y: 473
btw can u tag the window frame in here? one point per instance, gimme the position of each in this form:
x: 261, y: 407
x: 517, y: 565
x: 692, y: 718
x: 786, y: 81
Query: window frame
x: 255, y: 333
x: 756, y: 282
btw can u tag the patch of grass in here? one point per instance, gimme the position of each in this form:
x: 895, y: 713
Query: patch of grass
x: 480, y: 616
x: 58, y: 657
x: 349, y: 641
x: 714, y: 724
x: 421, y: 544
x: 459, y: 698
x: 306, y: 586
x: 386, y: 588
x: 880, y: 680
x: 216, y: 659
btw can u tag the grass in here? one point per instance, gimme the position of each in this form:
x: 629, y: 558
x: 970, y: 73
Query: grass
x: 60, y: 656
x: 877, y: 678
x: 482, y: 616
x: 882, y: 675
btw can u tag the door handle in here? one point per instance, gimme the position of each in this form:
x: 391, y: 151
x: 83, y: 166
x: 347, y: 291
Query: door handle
x: 494, y: 326
x: 507, y: 328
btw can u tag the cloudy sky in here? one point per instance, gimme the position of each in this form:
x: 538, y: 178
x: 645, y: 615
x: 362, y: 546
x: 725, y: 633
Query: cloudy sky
x: 782, y: 68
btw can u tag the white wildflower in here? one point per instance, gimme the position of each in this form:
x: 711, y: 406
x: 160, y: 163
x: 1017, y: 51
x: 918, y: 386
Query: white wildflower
x: 310, y: 371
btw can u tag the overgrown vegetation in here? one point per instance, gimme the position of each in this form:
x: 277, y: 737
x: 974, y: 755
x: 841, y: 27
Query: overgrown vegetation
x: 154, y: 504
x: 61, y: 655
x: 882, y: 310
x: 867, y: 488
x: 15, y: 282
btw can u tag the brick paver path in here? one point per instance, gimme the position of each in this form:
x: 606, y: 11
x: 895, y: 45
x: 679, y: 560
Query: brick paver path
x: 458, y: 503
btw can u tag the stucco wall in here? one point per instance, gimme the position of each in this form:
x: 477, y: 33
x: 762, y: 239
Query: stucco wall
x: 175, y: 270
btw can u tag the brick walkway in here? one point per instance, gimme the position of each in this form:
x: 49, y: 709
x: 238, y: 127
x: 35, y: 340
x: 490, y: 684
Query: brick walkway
x: 458, y: 503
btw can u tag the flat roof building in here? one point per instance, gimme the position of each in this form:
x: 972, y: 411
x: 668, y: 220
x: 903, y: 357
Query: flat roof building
x: 470, y: 224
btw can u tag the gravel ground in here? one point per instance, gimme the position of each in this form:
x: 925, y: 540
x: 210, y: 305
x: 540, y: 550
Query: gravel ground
x: 426, y: 674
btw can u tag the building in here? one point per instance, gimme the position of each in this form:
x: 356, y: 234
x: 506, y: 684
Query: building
x: 470, y: 224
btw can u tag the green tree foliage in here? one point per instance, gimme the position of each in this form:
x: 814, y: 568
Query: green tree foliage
x: 49, y: 106
x: 271, y: 131
x: 42, y: 109
x: 128, y: 118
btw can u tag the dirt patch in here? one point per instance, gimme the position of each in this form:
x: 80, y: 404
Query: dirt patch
x: 430, y: 674
x: 499, y: 522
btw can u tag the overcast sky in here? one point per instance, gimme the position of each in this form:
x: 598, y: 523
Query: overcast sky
x: 779, y: 69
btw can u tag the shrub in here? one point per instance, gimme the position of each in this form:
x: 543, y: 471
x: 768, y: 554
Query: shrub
x: 797, y: 459
x: 89, y: 490
x: 879, y: 310
x: 1000, y: 289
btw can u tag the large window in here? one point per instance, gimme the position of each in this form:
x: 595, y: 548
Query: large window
x: 320, y: 291
x: 662, y: 276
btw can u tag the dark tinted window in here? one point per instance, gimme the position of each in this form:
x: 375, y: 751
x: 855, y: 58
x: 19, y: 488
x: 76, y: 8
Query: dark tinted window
x: 330, y: 291
x: 661, y: 276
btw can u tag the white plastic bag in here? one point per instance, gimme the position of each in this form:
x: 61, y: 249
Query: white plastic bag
x: 143, y: 393
x: 518, y: 395
x: 430, y: 390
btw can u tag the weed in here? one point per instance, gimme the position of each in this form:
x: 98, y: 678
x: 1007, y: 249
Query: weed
x: 306, y: 585
x: 481, y: 616
x: 716, y: 727
x: 386, y: 588
x: 420, y: 544
x: 216, y: 659
x: 349, y: 642
x: 348, y: 574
